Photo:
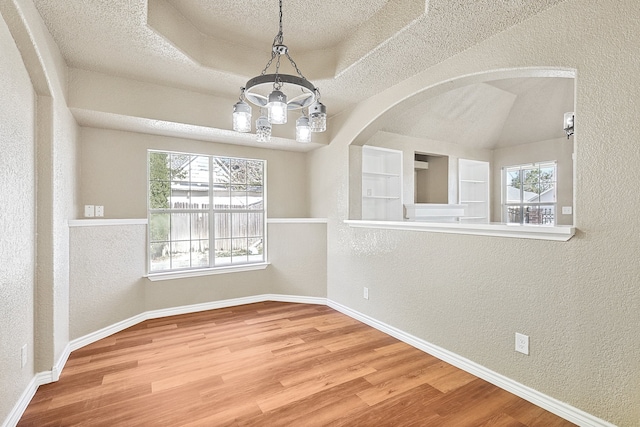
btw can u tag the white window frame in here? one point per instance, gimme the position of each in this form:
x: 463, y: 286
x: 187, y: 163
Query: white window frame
x: 211, y: 210
x: 522, y: 203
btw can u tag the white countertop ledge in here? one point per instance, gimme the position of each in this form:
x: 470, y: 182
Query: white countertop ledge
x: 95, y: 222
x: 559, y: 233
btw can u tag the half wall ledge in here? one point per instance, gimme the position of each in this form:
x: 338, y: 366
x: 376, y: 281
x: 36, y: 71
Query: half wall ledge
x: 557, y: 233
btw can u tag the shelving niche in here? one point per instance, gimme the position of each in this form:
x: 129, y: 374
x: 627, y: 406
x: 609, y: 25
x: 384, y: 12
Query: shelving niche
x: 474, y: 189
x: 381, y: 184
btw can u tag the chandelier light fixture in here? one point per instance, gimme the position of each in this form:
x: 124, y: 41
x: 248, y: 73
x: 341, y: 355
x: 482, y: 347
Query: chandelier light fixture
x: 278, y: 93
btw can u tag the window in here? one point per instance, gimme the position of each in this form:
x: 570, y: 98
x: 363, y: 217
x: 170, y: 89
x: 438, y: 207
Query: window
x: 198, y: 202
x: 529, y: 194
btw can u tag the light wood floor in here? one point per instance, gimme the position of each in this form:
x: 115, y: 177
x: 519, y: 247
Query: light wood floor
x: 269, y: 364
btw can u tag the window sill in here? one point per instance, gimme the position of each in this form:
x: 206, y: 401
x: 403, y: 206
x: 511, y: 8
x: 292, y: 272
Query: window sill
x: 539, y: 232
x: 156, y: 277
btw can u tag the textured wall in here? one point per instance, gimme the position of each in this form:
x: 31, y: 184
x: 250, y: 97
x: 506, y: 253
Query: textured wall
x: 17, y: 222
x: 106, y: 268
x: 579, y: 301
x: 108, y: 263
x: 114, y: 172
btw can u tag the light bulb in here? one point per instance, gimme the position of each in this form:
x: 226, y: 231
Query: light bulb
x: 318, y: 117
x: 277, y: 108
x: 303, y: 131
x: 263, y: 129
x: 241, y: 117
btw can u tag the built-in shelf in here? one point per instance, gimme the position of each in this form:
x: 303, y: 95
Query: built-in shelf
x: 473, y: 191
x: 381, y: 183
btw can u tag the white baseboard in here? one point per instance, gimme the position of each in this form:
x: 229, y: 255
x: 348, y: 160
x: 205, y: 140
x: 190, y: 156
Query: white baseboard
x: 561, y: 409
x: 555, y: 406
x: 25, y: 398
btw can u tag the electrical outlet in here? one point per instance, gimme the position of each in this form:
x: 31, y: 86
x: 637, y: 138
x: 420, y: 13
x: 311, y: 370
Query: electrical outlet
x: 23, y: 356
x: 99, y: 210
x: 567, y: 210
x: 522, y: 343
x: 366, y: 293
x: 89, y: 211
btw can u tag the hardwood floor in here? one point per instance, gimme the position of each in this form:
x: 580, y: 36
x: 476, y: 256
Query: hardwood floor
x: 269, y: 364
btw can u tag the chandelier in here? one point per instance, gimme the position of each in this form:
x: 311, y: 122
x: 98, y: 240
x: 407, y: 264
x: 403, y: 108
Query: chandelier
x: 277, y: 94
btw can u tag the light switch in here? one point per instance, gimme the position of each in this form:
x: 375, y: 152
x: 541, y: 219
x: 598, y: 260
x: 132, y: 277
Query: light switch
x: 89, y: 211
x: 99, y: 210
x: 567, y: 210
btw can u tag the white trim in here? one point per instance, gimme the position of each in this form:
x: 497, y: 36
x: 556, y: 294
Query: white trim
x: 155, y: 277
x: 296, y: 220
x: 557, y: 233
x: 25, y: 398
x: 555, y: 406
x: 103, y: 222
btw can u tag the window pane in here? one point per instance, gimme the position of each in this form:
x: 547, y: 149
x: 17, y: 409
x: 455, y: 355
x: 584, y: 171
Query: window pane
x: 222, y: 225
x: 223, y: 252
x: 513, y: 214
x: 539, y: 214
x: 200, y: 226
x: 256, y: 224
x: 159, y: 192
x: 199, y: 196
x: 159, y: 167
x: 254, y: 197
x: 180, y: 255
x: 239, y: 251
x: 159, y: 227
x: 159, y: 253
x: 239, y: 224
x: 221, y: 196
x: 255, y: 172
x: 221, y: 167
x: 239, y: 197
x: 238, y: 171
x: 180, y: 195
x: 200, y: 169
x: 513, y: 184
x: 180, y: 226
x: 180, y: 167
x: 200, y: 253
x: 255, y: 250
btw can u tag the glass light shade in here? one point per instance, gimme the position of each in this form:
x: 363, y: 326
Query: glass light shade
x: 303, y: 130
x: 318, y: 117
x: 277, y: 108
x: 242, y: 117
x: 263, y: 129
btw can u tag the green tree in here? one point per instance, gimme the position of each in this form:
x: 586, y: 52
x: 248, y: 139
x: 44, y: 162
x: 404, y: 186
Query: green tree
x: 162, y: 170
x: 535, y: 180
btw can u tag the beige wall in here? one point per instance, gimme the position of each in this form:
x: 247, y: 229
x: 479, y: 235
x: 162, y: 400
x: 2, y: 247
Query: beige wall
x: 17, y: 222
x: 579, y: 300
x: 560, y: 150
x: 114, y: 172
x: 40, y: 179
x: 108, y: 265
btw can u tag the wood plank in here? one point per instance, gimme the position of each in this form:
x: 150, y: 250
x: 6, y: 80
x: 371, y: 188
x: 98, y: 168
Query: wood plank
x: 271, y: 363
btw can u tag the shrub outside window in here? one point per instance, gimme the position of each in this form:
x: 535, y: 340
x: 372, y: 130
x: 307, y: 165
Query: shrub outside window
x: 198, y: 202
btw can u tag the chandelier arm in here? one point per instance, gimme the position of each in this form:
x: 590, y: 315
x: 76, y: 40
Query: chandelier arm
x: 293, y: 63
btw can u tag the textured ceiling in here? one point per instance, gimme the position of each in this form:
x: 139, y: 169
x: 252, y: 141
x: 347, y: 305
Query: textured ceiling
x: 350, y: 49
